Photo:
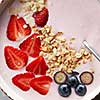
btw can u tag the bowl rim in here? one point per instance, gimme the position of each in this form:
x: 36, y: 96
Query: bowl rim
x: 13, y: 96
x: 8, y: 91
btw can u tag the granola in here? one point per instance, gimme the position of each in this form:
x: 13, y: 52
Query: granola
x: 58, y: 53
x: 27, y: 6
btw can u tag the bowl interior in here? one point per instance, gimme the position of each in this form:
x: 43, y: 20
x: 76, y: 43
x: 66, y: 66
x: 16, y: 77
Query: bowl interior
x: 79, y: 19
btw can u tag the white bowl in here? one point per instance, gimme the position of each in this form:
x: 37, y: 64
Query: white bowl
x: 76, y: 18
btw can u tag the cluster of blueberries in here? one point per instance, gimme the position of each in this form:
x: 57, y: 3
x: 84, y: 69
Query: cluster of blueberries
x: 73, y: 82
x: 66, y: 83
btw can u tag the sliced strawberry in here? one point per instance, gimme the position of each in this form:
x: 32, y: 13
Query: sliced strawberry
x: 38, y: 66
x: 41, y: 17
x: 23, y: 81
x: 12, y: 31
x: 15, y: 59
x: 23, y: 28
x: 31, y: 45
x: 41, y: 84
x: 17, y: 28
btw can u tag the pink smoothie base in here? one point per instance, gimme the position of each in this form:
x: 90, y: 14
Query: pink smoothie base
x: 76, y: 18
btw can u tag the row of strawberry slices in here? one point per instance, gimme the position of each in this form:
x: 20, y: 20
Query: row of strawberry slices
x: 18, y: 58
x: 27, y: 80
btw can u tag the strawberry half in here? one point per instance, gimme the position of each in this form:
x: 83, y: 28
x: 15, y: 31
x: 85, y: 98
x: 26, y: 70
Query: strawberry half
x: 15, y: 59
x: 31, y: 45
x: 17, y: 28
x: 23, y: 28
x: 41, y: 17
x: 12, y: 31
x: 41, y: 84
x: 38, y: 66
x: 22, y: 81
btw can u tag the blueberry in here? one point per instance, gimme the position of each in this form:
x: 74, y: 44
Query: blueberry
x: 86, y: 78
x: 73, y: 81
x: 60, y: 77
x: 64, y: 90
x: 81, y: 90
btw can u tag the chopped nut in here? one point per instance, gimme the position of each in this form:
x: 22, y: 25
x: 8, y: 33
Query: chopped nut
x: 54, y: 59
x: 58, y: 54
x: 84, y: 60
x: 69, y: 70
x: 34, y: 28
x: 82, y: 51
x: 68, y: 57
x: 51, y: 66
x: 47, y: 28
x: 41, y: 1
x: 43, y: 31
x: 71, y: 40
x: 62, y: 60
x: 59, y: 57
x: 46, y: 40
x: 56, y: 64
x: 64, y: 68
x: 44, y: 49
x: 72, y: 51
x: 59, y: 34
x: 49, y: 62
x: 51, y: 73
x: 75, y: 59
x: 64, y: 51
x: 50, y: 57
x: 59, y: 38
x: 41, y: 38
x: 54, y: 51
x: 78, y: 55
x: 41, y: 53
x: 86, y: 52
x: 51, y: 34
x: 34, y: 8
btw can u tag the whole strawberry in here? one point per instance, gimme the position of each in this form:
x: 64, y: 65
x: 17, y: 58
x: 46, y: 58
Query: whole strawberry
x: 41, y: 17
